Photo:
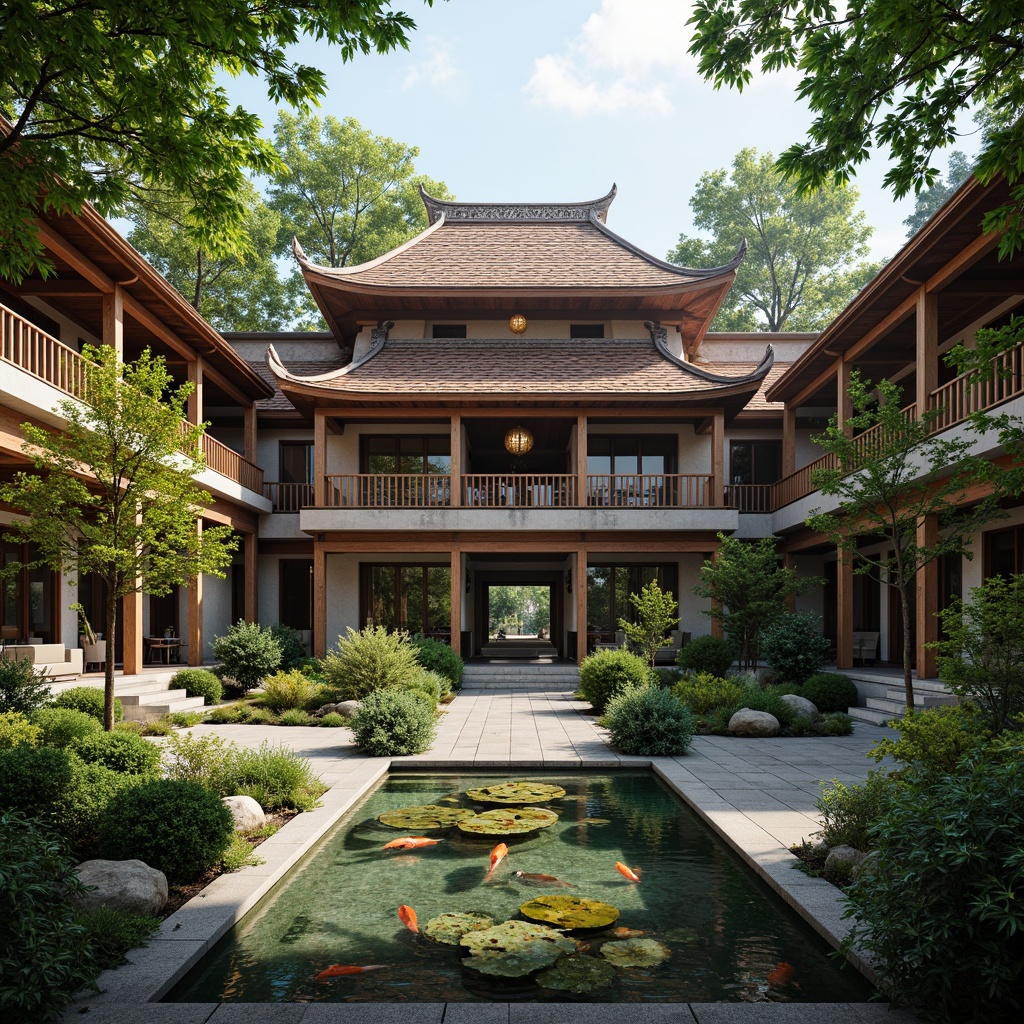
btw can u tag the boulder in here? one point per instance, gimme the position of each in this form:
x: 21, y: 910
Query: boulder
x: 246, y: 811
x: 754, y: 723
x: 801, y: 705
x: 345, y: 708
x: 127, y: 885
x: 841, y: 863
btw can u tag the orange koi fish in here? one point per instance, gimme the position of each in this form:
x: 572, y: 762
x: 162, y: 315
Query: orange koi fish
x: 411, y: 843
x: 497, y: 856
x: 336, y: 970
x: 408, y: 917
x: 633, y: 874
x: 627, y: 933
x: 782, y: 975
x: 531, y: 879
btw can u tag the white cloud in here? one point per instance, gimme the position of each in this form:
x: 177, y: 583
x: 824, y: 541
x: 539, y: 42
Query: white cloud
x: 437, y: 68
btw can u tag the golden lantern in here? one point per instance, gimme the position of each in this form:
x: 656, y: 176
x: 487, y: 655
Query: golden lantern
x: 517, y: 323
x: 518, y: 441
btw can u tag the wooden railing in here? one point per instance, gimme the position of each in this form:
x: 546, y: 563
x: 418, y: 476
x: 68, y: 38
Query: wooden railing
x: 226, y: 461
x: 649, y: 490
x: 957, y: 400
x: 749, y: 497
x: 288, y: 497
x: 519, y: 490
x: 387, y: 490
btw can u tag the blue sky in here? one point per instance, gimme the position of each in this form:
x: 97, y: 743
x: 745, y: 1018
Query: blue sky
x: 550, y: 100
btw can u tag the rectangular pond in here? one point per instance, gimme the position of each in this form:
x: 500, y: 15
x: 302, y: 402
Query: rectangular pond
x: 699, y: 926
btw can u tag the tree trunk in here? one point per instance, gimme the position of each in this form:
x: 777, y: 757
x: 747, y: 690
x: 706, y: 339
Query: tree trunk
x: 110, y: 633
x: 908, y: 686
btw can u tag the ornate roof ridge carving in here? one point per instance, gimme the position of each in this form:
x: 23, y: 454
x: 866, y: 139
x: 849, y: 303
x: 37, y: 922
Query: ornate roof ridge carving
x: 378, y: 339
x: 456, y: 212
x: 659, y: 335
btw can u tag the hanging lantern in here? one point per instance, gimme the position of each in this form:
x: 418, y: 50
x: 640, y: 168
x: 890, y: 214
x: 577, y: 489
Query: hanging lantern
x: 517, y: 323
x: 518, y: 441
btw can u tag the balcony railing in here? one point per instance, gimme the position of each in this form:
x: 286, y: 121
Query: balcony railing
x: 387, y: 490
x: 287, y: 496
x: 749, y: 497
x: 649, y: 490
x: 519, y: 490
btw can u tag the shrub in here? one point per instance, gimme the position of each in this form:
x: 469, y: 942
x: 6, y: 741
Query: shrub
x: 831, y: 691
x: 185, y: 719
x: 935, y: 740
x: 704, y: 693
x: 394, y: 722
x: 199, y: 682
x: 369, y: 660
x: 43, y: 951
x: 604, y: 673
x: 239, y: 854
x: 88, y: 699
x: 22, y: 688
x: 710, y: 654
x: 294, y: 716
x: 125, y: 752
x: 94, y: 786
x: 287, y: 690
x: 433, y: 685
x: 200, y: 759
x: 62, y: 726
x: 111, y: 933
x: 757, y: 698
x: 848, y: 812
x: 272, y: 775
x: 312, y: 668
x: 838, y: 723
x: 293, y: 650
x: 794, y: 647
x: 440, y: 658
x: 257, y: 716
x: 247, y: 653
x: 16, y: 731
x: 226, y: 716
x: 332, y: 720
x: 178, y: 827
x: 649, y: 721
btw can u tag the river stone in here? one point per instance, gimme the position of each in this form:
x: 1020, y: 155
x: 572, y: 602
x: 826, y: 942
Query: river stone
x: 841, y: 863
x: 801, y: 705
x: 126, y: 885
x: 246, y: 811
x: 345, y: 708
x: 753, y: 723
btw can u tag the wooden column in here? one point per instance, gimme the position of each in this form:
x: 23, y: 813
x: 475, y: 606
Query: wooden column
x: 319, y: 461
x: 717, y: 626
x: 927, y: 349
x: 718, y: 458
x: 581, y: 604
x: 456, y: 611
x: 195, y: 400
x: 251, y: 581
x: 132, y: 629
x: 456, y: 466
x: 194, y: 614
x: 319, y: 600
x: 927, y: 604
x: 581, y: 465
x: 113, y: 320
x: 844, y: 404
x: 788, y: 440
x: 250, y: 433
x: 844, y: 610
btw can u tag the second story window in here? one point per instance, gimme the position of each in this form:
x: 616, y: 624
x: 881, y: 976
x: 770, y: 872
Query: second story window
x: 429, y: 454
x: 755, y: 462
x: 295, y: 489
x: 634, y: 454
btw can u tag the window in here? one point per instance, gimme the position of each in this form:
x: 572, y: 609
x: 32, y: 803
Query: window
x: 427, y: 454
x: 586, y: 330
x: 755, y: 462
x: 296, y: 476
x: 608, y: 590
x: 295, y: 593
x: 416, y: 598
x: 449, y: 330
x: 1004, y: 551
x: 631, y: 470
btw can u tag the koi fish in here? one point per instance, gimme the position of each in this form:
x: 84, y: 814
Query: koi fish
x: 411, y: 843
x: 627, y: 933
x: 497, y: 856
x: 336, y: 970
x: 633, y: 874
x: 543, y: 880
x: 408, y: 917
x: 782, y: 975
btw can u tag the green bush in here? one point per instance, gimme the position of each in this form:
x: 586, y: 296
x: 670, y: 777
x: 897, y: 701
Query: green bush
x: 287, y: 690
x: 757, y: 698
x: 710, y: 654
x: 178, y: 827
x: 935, y: 740
x: 831, y: 691
x: 88, y: 699
x: 230, y: 715
x: 332, y: 720
x: 188, y: 757
x: 431, y: 684
x: 257, y: 716
x: 794, y: 647
x: 94, y: 787
x: 704, y: 693
x: 605, y: 673
x: 294, y: 716
x: 247, y: 653
x: 62, y: 726
x: 44, y: 953
x: 439, y: 657
x: 648, y: 721
x: 185, y: 719
x: 369, y: 660
x: 110, y: 934
x: 849, y: 812
x: 22, y: 688
x: 293, y: 650
x: 16, y: 731
x: 667, y: 677
x: 199, y: 682
x: 120, y: 751
x: 838, y: 723
x: 272, y: 775
x: 393, y: 722
x: 312, y: 668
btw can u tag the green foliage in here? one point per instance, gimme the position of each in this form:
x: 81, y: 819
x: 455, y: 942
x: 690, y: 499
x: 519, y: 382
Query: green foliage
x: 982, y: 659
x: 62, y: 726
x: 247, y: 653
x: 439, y: 657
x: 239, y: 854
x: 22, y: 688
x: 332, y: 720
x: 88, y: 699
x: 188, y: 757
x: 836, y: 724
x: 294, y: 716
x: 831, y: 691
x: 794, y: 647
x: 393, y: 722
x: 185, y: 719
x: 935, y: 740
x: 928, y: 200
x: 704, y: 693
x: 369, y: 660
x: 120, y: 751
x: 707, y: 654
x: 849, y: 812
x: 274, y: 776
x: 93, y: 787
x: 431, y: 684
x: 16, y: 731
x: 758, y: 698
x: 287, y: 690
x: 605, y: 672
x: 199, y: 682
x: 648, y: 721
x: 177, y: 827
x: 293, y: 650
x: 44, y: 952
x: 805, y: 251
x: 110, y: 934
x: 656, y: 614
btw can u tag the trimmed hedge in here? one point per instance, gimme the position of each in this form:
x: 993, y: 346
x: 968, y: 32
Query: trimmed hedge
x: 88, y: 699
x: 648, y: 721
x: 831, y: 691
x: 605, y: 673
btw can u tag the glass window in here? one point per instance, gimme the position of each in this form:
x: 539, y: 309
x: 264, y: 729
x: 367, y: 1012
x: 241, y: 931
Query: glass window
x: 755, y: 462
x: 430, y: 454
x: 296, y: 593
x: 608, y: 590
x: 416, y: 598
x: 296, y: 462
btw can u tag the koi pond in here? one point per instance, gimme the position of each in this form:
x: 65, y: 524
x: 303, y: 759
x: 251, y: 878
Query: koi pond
x: 557, y: 917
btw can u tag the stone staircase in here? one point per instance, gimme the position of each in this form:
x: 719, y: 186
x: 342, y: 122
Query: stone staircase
x: 145, y: 696
x: 522, y: 675
x: 884, y: 697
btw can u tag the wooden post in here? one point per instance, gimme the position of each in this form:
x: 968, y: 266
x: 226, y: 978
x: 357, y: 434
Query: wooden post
x: 927, y: 604
x: 113, y: 321
x: 250, y: 433
x: 927, y: 351
x: 455, y: 469
x: 251, y: 611
x: 718, y: 458
x: 456, y: 599
x: 581, y: 466
x: 319, y: 462
x: 319, y: 599
x: 195, y: 400
x: 844, y: 609
x: 717, y: 625
x: 788, y: 440
x: 132, y: 629
x: 844, y: 404
x: 194, y: 615
x: 581, y: 604
x: 789, y: 562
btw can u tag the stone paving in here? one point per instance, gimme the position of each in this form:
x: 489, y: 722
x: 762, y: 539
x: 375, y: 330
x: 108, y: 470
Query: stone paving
x: 758, y: 794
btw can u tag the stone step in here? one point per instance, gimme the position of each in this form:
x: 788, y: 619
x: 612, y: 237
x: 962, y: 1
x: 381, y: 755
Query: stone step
x: 926, y: 699
x: 146, y: 712
x: 871, y: 716
x: 163, y: 696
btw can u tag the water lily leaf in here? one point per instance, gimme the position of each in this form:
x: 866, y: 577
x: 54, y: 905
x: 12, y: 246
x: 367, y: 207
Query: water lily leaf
x: 570, y: 912
x: 595, y: 821
x: 513, y: 965
x: 681, y: 935
x: 424, y: 818
x: 449, y: 928
x: 508, y: 822
x: 516, y: 793
x: 635, y: 953
x: 577, y: 973
x: 516, y: 937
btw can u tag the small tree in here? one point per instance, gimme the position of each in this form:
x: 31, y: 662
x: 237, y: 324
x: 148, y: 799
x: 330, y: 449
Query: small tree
x: 112, y: 494
x: 748, y: 587
x: 657, y: 612
x: 890, y: 481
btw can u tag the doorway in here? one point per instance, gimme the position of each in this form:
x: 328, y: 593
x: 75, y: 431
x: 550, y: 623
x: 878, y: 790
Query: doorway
x: 526, y: 606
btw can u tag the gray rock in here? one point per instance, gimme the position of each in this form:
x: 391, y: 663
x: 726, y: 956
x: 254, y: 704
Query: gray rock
x: 345, y: 708
x: 801, y: 705
x: 841, y: 863
x: 754, y: 723
x: 126, y: 885
x: 246, y: 811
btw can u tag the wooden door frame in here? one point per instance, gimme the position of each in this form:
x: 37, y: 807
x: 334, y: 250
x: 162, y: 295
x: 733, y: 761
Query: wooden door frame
x: 553, y: 578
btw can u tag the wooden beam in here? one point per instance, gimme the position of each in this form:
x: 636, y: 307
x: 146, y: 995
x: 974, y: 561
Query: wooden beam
x: 517, y: 543
x: 717, y: 624
x: 319, y: 600
x: 138, y: 312
x: 455, y: 468
x: 113, y: 320
x: 788, y: 440
x: 844, y: 404
x: 214, y: 376
x: 927, y: 603
x: 581, y: 459
x: 319, y: 457
x: 250, y: 444
x: 581, y: 603
x: 844, y: 610
x: 195, y: 400
x: 456, y: 600
x: 927, y: 349
x: 131, y: 642
x: 68, y: 287
x: 80, y: 263
x: 194, y: 614
x: 250, y: 547
x: 718, y: 459
x: 442, y: 413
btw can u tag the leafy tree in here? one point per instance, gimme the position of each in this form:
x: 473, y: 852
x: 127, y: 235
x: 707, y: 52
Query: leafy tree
x: 656, y: 613
x: 930, y: 199
x: 801, y: 266
x: 889, y: 482
x: 103, y: 102
x: 526, y: 609
x: 894, y: 75
x: 749, y: 587
x: 112, y: 495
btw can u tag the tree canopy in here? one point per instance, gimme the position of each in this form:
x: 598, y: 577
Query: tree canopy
x: 103, y: 102
x: 893, y: 75
x: 805, y: 255
x: 930, y: 199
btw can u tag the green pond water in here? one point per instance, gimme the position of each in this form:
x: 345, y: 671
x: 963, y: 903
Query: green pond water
x: 724, y: 930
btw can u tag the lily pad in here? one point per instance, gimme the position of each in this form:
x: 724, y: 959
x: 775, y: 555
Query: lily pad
x: 577, y: 973
x: 635, y: 953
x: 595, y: 821
x: 508, y: 822
x: 424, y: 818
x: 449, y: 928
x: 570, y: 912
x: 516, y: 936
x: 516, y: 793
x: 512, y: 965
